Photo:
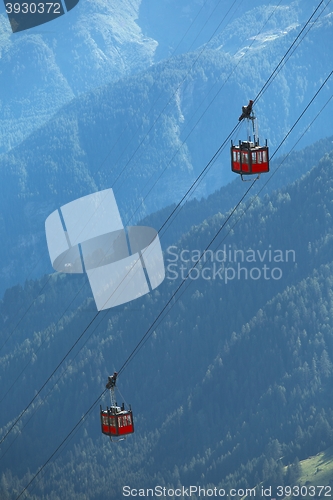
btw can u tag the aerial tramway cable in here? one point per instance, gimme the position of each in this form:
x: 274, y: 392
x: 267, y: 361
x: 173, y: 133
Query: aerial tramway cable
x: 174, y: 93
x: 178, y: 205
x: 133, y: 352
x: 142, y: 340
x: 276, y: 169
x: 19, y: 375
x: 146, y: 336
x: 149, y: 331
x: 147, y: 133
x: 268, y: 82
x: 62, y: 315
x: 188, y: 72
x: 278, y: 67
x: 151, y: 187
x: 203, y: 113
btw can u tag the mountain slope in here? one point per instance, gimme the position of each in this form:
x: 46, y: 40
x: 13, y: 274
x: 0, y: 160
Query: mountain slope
x: 237, y: 375
x: 317, y: 471
x: 150, y: 135
x: 43, y: 68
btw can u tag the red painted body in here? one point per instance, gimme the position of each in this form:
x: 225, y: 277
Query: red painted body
x: 117, y: 423
x: 247, y: 158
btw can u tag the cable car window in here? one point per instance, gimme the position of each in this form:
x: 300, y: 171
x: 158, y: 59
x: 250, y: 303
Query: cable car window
x: 245, y: 158
x: 254, y: 157
x: 234, y: 155
x: 259, y: 156
x: 264, y: 154
x: 129, y: 420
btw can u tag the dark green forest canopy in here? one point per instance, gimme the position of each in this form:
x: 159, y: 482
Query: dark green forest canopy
x: 147, y: 134
x: 233, y: 387
x: 224, y: 395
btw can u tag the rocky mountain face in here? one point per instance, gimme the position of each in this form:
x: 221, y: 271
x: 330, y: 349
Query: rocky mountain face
x: 45, y: 67
x: 151, y: 129
x: 230, y: 385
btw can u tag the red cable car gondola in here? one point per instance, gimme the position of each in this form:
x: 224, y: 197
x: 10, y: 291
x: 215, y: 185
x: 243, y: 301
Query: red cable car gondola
x: 116, y: 422
x: 248, y: 157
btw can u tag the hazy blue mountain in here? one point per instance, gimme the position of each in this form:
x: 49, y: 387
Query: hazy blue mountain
x: 286, y: 169
x: 215, y: 22
x: 149, y: 135
x: 43, y: 68
x: 98, y: 42
x: 235, y: 381
x: 232, y: 385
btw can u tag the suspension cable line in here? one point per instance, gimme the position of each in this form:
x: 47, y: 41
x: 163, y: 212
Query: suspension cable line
x: 178, y: 205
x: 174, y: 93
x: 149, y: 331
x: 268, y: 82
x: 278, y: 67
